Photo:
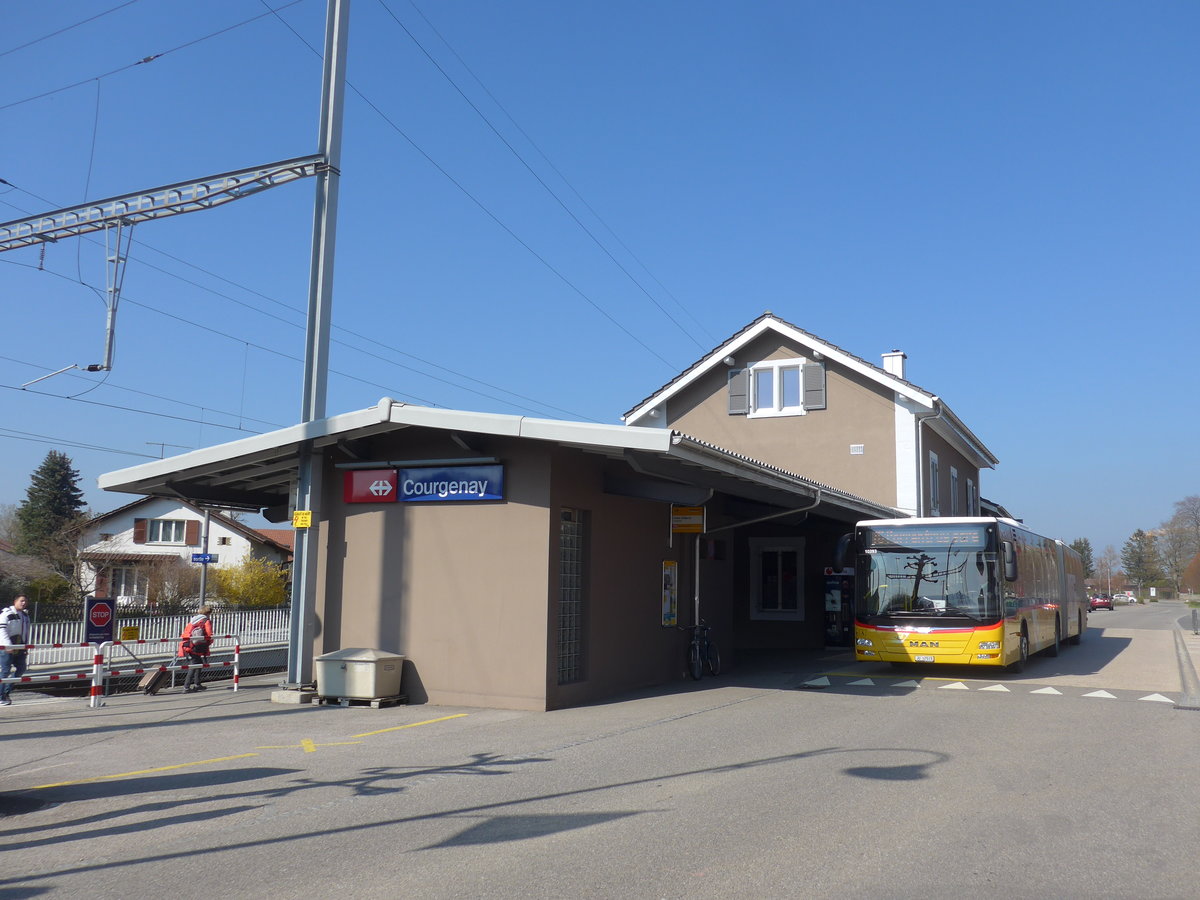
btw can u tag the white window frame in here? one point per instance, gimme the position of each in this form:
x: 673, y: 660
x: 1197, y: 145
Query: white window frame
x: 776, y: 369
x: 935, y: 494
x: 779, y: 545
x: 156, y: 527
x: 972, y: 498
x: 953, y: 491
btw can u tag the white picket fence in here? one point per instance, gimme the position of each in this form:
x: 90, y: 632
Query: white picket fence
x: 252, y: 627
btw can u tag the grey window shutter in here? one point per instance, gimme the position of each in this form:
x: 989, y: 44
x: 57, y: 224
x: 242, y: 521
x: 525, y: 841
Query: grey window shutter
x: 739, y: 392
x: 814, y: 385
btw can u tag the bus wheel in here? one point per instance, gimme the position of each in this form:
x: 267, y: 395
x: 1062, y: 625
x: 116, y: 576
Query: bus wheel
x: 1019, y: 665
x: 1052, y: 650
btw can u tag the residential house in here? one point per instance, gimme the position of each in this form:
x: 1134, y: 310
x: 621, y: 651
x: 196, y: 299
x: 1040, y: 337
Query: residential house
x: 135, y: 552
x: 779, y: 394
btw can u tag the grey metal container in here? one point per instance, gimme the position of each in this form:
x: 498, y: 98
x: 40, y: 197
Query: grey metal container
x: 358, y: 673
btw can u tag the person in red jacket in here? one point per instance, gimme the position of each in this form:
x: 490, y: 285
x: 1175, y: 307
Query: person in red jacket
x: 195, y: 644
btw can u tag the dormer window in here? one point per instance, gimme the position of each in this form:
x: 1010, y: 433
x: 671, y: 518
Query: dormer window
x: 777, y: 387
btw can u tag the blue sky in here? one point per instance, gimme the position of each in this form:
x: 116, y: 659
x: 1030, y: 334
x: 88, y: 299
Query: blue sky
x: 1007, y: 192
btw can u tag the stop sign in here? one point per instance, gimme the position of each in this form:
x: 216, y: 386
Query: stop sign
x: 100, y: 615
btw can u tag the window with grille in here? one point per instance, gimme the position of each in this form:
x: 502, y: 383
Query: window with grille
x: 571, y: 546
x: 777, y: 578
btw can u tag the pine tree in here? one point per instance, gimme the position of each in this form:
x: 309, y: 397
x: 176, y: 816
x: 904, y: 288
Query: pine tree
x: 48, y: 518
x: 1139, y: 558
x: 1083, y: 547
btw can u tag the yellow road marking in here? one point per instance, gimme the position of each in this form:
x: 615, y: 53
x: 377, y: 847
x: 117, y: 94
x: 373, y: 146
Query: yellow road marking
x: 203, y: 762
x: 308, y: 745
x: 411, y: 725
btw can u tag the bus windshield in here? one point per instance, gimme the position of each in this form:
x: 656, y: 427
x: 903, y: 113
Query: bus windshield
x: 930, y: 571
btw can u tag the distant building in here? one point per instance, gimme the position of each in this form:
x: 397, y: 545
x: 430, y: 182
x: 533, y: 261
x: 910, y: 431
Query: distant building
x: 122, y: 551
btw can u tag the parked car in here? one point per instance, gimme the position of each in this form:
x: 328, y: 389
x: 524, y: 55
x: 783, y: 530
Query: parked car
x: 1104, y: 602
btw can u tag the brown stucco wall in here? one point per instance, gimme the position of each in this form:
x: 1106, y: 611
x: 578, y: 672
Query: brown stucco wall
x: 947, y: 457
x: 815, y: 445
x: 469, y: 592
x: 627, y: 542
x: 460, y: 589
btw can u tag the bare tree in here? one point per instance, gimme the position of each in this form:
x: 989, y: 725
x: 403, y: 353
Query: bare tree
x: 8, y: 522
x: 1187, y: 520
x: 1106, y: 568
x: 1176, y: 548
x: 171, y: 584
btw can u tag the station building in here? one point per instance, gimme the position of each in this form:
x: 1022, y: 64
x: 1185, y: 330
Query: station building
x: 536, y: 564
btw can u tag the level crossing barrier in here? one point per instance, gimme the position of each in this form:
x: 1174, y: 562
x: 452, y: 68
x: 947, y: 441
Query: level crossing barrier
x: 57, y: 643
x: 102, y: 665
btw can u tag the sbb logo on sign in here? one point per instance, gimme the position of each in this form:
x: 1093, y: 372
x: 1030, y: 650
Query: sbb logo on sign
x: 425, y: 484
x: 370, y: 486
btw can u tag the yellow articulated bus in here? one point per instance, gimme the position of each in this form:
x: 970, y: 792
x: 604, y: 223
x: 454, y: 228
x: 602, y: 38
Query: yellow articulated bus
x: 963, y: 591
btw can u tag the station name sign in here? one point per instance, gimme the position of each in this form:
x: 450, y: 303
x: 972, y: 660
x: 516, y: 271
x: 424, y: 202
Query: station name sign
x: 425, y: 484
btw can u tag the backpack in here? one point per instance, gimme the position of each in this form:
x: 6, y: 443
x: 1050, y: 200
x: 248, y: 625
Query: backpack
x: 198, y: 641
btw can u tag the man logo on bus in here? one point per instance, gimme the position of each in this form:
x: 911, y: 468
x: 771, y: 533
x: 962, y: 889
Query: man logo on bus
x: 923, y: 643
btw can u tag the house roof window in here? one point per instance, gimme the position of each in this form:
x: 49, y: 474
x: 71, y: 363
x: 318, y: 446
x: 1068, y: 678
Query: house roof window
x: 778, y: 387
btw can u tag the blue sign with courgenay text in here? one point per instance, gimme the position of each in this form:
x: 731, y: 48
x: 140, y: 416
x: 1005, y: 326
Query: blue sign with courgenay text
x: 444, y: 484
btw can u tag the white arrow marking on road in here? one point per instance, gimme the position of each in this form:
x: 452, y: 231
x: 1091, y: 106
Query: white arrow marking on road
x: 819, y: 682
x: 1158, y: 698
x: 907, y: 684
x: 1105, y: 694
x: 1046, y: 691
x: 866, y: 681
x: 997, y: 687
x: 957, y: 686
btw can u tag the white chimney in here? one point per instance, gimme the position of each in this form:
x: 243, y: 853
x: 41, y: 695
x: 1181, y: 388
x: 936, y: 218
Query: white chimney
x: 893, y: 363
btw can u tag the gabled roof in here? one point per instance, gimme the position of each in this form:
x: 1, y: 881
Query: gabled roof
x: 769, y: 322
x: 261, y: 468
x: 251, y: 534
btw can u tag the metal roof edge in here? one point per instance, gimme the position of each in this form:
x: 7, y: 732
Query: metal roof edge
x: 293, y: 434
x: 559, y: 430
x: 967, y: 436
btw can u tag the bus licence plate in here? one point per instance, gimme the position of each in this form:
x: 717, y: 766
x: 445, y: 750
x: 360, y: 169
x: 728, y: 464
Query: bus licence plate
x: 923, y: 659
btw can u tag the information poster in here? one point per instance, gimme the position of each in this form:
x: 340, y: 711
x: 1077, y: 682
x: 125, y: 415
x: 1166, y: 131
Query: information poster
x: 670, y: 593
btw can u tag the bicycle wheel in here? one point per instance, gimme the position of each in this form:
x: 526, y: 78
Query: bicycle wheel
x: 695, y: 663
x: 714, y: 659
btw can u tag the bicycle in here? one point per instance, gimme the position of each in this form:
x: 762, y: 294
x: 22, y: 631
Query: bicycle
x: 702, y: 651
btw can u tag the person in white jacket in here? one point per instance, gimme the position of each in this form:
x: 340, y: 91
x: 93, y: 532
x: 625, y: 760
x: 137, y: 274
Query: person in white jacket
x: 14, y: 635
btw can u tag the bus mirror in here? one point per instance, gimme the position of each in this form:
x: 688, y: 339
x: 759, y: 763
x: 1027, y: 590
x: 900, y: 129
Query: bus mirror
x: 1010, y: 560
x: 841, y: 553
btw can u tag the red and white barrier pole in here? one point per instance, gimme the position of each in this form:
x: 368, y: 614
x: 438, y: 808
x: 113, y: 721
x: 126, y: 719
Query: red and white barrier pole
x: 98, y: 678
